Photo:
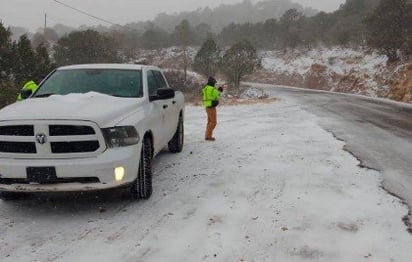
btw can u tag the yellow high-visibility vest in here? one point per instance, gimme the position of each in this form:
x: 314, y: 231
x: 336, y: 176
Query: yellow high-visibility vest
x: 30, y: 85
x: 210, y: 94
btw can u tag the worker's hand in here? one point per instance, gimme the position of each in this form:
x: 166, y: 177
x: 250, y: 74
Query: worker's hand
x: 220, y: 89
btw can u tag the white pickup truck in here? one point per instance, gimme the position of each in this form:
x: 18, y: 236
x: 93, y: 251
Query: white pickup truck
x: 89, y: 127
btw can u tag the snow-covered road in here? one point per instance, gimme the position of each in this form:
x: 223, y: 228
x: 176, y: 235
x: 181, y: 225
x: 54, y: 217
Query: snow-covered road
x: 274, y: 186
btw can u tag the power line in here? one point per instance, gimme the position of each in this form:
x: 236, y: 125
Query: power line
x: 85, y: 13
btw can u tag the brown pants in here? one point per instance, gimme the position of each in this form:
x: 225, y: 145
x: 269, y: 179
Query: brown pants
x: 211, y: 121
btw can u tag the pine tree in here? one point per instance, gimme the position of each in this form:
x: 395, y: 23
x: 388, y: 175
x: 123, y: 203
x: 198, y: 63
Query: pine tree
x: 154, y: 37
x: 8, y: 90
x: 184, y: 36
x: 86, y: 47
x: 43, y: 64
x: 206, y: 61
x: 291, y: 24
x: 6, y: 60
x: 25, y: 61
x: 240, y: 60
x: 387, y: 27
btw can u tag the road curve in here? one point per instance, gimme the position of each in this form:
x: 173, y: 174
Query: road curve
x: 377, y: 131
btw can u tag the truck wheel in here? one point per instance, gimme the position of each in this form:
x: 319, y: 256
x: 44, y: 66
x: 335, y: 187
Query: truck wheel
x: 142, y: 187
x: 6, y: 196
x: 176, y: 143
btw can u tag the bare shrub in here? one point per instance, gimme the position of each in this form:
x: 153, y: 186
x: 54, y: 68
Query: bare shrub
x: 191, y: 87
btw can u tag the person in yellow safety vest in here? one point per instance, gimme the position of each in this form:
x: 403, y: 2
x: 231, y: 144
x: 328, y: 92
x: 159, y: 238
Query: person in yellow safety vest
x: 30, y: 85
x: 211, y: 96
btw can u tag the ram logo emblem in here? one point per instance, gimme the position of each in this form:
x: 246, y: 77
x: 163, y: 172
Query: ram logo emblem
x: 41, y: 138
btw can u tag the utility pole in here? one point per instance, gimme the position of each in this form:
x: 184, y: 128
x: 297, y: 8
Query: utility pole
x: 45, y: 24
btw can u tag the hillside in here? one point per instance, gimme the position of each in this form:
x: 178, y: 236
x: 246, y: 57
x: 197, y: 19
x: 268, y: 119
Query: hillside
x: 217, y: 18
x: 401, y: 83
x: 357, y: 71
x: 224, y: 15
x: 338, y: 69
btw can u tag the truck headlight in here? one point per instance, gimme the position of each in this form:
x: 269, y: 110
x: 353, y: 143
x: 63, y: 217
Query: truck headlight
x: 120, y: 136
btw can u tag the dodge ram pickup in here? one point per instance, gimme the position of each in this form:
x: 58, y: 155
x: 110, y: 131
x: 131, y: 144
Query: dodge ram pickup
x: 89, y: 127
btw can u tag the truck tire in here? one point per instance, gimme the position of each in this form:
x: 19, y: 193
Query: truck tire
x: 176, y: 143
x: 142, y: 187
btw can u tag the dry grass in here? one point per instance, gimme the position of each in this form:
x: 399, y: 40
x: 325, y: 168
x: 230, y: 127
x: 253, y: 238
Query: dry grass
x: 249, y: 101
x: 238, y: 101
x: 401, y: 86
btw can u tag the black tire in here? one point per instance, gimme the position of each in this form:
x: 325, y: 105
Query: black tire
x: 142, y: 187
x: 7, y: 196
x: 176, y: 143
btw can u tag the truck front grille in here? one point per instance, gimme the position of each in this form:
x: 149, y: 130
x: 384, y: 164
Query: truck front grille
x: 50, y: 139
x: 17, y: 130
x: 74, y: 147
x: 18, y: 147
x: 70, y: 130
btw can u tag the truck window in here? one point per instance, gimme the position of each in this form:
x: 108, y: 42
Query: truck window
x: 160, y: 79
x: 152, y: 83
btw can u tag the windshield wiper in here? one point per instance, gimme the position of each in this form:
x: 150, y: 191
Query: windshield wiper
x: 44, y: 95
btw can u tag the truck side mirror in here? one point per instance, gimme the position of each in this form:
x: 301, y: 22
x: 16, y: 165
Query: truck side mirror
x: 26, y: 93
x: 165, y: 93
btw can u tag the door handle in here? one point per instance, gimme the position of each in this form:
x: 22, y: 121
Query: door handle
x: 165, y: 106
x: 173, y: 102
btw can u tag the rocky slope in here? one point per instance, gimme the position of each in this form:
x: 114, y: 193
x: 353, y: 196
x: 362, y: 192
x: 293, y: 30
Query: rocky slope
x: 347, y: 70
x: 401, y: 84
x: 338, y: 69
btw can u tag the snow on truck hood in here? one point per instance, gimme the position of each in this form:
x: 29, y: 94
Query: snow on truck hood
x: 102, y: 109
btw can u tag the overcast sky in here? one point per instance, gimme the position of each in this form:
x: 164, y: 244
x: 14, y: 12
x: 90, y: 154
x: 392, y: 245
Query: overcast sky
x: 30, y: 13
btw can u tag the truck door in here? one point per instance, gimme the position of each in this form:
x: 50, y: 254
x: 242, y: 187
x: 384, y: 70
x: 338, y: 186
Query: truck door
x: 158, y: 113
x: 172, y: 110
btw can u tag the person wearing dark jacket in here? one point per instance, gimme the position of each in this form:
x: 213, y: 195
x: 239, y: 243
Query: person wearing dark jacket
x: 210, y: 97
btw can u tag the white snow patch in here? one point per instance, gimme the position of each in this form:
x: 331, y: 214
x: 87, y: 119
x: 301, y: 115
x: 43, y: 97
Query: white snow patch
x: 341, y: 61
x: 274, y: 187
x: 252, y: 93
x: 338, y: 60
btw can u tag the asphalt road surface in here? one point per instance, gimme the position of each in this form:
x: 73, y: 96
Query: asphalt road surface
x: 378, y: 132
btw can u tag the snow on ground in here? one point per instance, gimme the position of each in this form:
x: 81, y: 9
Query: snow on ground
x: 339, y: 60
x: 369, y: 67
x: 274, y: 187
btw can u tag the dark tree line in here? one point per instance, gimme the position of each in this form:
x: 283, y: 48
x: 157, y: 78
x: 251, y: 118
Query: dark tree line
x: 381, y: 24
x: 236, y: 62
x: 385, y: 25
x: 357, y: 22
x: 20, y: 62
x: 345, y: 26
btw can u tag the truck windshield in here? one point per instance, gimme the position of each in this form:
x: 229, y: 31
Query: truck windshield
x: 114, y: 82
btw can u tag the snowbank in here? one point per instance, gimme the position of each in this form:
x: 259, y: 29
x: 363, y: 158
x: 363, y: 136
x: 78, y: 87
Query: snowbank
x: 336, y: 69
x: 339, y: 60
x: 274, y: 187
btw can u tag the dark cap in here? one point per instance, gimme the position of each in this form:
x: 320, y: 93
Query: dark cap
x: 211, y: 81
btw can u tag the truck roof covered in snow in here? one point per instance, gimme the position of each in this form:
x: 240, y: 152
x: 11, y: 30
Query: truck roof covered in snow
x: 106, y: 66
